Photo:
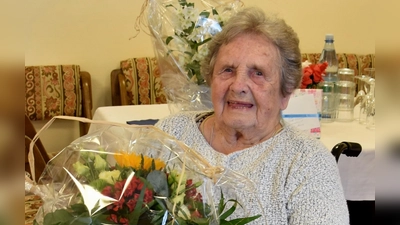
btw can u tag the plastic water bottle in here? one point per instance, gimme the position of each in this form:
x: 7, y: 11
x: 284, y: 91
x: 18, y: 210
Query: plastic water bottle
x: 329, y: 55
x: 329, y: 102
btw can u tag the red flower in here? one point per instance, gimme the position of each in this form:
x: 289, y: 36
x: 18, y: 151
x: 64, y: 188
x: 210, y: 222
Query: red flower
x: 127, y: 199
x: 131, y: 204
x: 306, y: 81
x: 107, y: 191
x: 124, y: 221
x: 191, y: 192
x: 113, y: 218
x: 148, y: 196
x: 313, y: 74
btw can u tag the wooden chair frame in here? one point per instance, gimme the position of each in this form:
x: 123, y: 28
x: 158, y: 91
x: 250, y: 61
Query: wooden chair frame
x: 87, y: 102
x: 118, y: 88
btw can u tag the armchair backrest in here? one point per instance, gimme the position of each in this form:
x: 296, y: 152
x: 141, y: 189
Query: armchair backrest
x: 54, y: 90
x: 137, y: 82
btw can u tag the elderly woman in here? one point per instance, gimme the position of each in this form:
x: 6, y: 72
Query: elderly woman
x: 252, y: 68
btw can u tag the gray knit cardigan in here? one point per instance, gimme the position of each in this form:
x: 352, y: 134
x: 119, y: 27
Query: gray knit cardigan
x: 296, y: 177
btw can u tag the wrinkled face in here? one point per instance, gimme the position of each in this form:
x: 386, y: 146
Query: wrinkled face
x: 245, y: 83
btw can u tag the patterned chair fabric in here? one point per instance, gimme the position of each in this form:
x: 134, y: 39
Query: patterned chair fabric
x: 55, y: 90
x: 52, y: 91
x: 139, y: 83
x: 356, y: 62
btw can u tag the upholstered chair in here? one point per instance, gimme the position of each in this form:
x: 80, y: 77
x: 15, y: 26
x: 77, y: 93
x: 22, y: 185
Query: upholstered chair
x: 137, y: 82
x: 54, y: 90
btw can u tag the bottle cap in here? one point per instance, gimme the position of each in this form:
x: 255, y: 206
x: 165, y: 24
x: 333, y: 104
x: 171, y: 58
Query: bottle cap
x: 329, y: 37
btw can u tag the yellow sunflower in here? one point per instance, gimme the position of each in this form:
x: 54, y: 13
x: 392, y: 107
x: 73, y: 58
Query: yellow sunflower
x: 133, y: 160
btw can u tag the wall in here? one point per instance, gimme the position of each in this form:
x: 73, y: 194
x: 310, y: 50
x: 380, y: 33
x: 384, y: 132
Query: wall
x: 96, y: 35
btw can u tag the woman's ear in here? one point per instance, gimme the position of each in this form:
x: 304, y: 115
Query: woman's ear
x: 284, y: 102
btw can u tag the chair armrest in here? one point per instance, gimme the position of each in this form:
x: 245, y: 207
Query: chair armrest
x: 87, y: 103
x: 122, y: 90
x: 115, y: 90
x: 86, y: 94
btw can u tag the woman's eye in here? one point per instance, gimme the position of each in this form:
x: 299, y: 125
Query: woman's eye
x: 228, y: 70
x: 258, y: 73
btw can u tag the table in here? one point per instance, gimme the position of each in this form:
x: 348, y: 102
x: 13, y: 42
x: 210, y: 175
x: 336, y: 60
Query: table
x: 356, y: 173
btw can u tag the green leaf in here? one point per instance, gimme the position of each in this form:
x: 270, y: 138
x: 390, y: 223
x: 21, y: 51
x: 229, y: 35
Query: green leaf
x: 134, y: 217
x: 182, y: 2
x: 157, y: 217
x: 241, y: 221
x: 229, y: 212
x: 161, y: 203
x: 190, y: 29
x: 221, y: 205
x: 205, y: 14
x: 169, y: 38
x: 58, y: 217
x: 205, y: 41
x: 214, y: 11
x: 158, y: 181
x: 170, y: 5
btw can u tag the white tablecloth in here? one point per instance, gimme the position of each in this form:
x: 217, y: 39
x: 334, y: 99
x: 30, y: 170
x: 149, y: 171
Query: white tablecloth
x: 356, y: 173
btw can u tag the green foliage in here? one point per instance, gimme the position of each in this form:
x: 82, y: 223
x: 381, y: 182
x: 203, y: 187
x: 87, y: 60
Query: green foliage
x: 225, y: 214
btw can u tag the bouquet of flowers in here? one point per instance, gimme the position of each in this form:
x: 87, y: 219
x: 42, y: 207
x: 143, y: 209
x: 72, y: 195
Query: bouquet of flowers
x: 312, y: 74
x: 181, y: 31
x: 137, y: 175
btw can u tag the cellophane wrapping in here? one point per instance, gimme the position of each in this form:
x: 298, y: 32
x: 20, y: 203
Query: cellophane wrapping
x: 138, y: 175
x: 181, y: 30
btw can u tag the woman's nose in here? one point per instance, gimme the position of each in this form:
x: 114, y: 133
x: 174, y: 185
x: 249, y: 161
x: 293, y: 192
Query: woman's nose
x: 240, y: 82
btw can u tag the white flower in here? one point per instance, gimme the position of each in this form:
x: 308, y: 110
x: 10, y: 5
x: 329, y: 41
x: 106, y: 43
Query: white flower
x: 190, y: 13
x: 81, y: 169
x: 184, y: 23
x: 86, y: 154
x: 99, y: 163
x: 203, y: 51
x: 195, y: 36
x: 173, y: 180
x: 110, y: 176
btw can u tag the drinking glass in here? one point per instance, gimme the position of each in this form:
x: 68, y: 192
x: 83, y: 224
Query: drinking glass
x: 346, y: 74
x: 345, y: 91
x: 361, y: 83
x: 364, y: 108
x: 370, y: 120
x: 359, y: 100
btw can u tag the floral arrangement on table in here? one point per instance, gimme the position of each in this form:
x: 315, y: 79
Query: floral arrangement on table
x: 132, y: 187
x: 313, y: 74
x: 181, y: 31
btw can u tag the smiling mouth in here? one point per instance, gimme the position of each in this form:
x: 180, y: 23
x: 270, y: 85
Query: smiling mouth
x: 239, y: 104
